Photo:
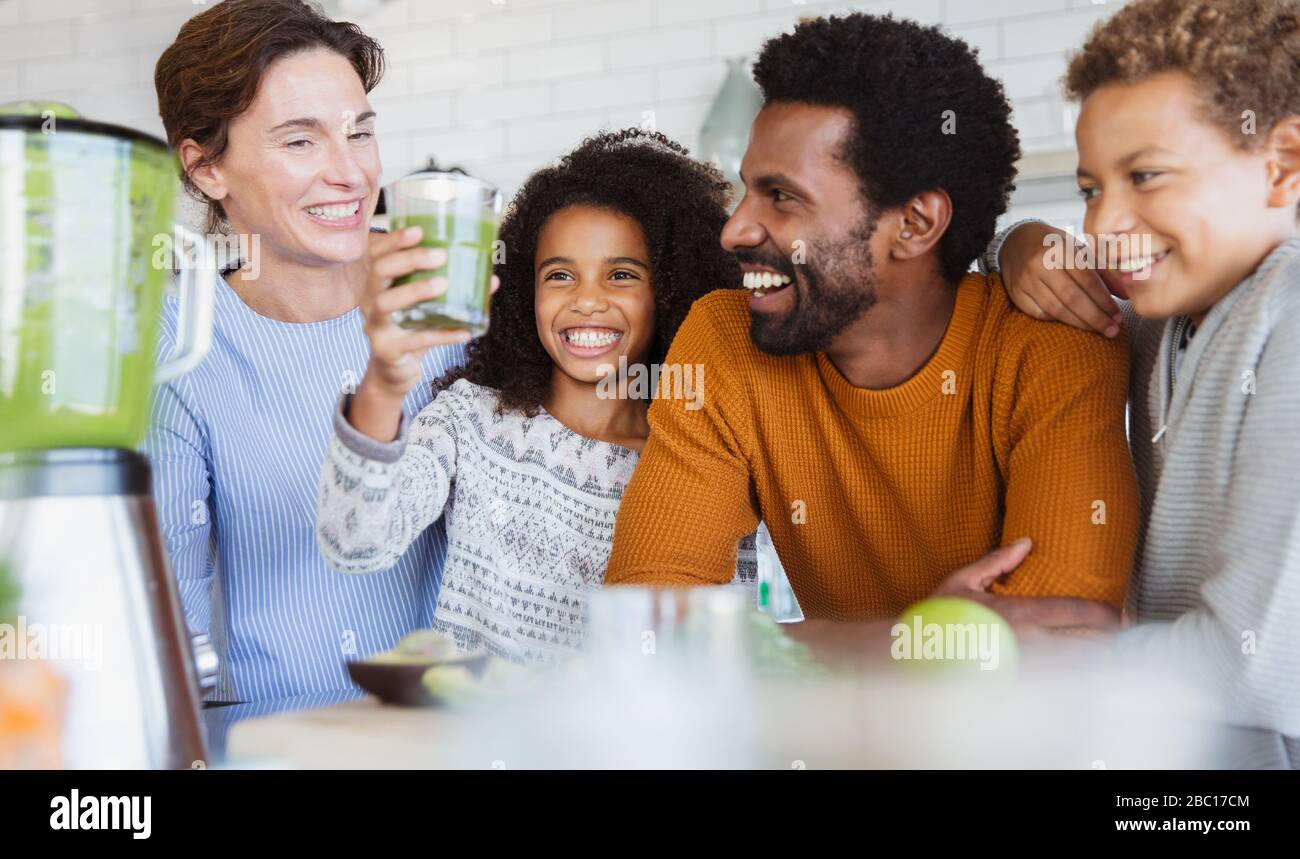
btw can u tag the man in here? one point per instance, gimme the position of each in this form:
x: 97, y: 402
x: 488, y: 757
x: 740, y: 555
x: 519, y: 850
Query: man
x: 891, y: 418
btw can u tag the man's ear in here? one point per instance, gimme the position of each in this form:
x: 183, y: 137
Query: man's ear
x: 919, y: 225
x: 1284, y: 163
x: 207, y: 177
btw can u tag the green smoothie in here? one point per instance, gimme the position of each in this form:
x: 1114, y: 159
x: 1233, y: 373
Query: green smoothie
x: 469, y: 245
x: 79, y: 298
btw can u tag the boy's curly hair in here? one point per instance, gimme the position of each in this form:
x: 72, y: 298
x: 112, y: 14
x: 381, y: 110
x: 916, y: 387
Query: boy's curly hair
x: 680, y: 204
x: 900, y: 80
x: 1243, y: 55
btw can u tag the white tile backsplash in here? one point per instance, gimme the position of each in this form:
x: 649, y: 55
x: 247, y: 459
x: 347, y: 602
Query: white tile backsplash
x: 661, y: 47
x: 601, y: 19
x: 669, y: 12
x: 597, y: 92
x: 505, y: 87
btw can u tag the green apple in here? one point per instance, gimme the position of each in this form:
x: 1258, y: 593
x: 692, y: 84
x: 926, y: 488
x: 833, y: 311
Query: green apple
x: 451, y: 684
x: 952, y: 634
x: 428, y: 645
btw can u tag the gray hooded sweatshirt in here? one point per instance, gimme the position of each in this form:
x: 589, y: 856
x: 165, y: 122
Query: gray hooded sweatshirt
x: 1215, y: 435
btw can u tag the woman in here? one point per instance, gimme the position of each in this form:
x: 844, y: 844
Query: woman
x: 265, y: 103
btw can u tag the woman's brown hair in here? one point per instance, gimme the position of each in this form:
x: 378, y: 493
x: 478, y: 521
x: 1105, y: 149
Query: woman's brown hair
x: 211, y: 73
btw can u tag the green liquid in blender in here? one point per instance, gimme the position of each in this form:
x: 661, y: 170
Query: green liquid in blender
x: 79, y: 294
x: 468, y: 242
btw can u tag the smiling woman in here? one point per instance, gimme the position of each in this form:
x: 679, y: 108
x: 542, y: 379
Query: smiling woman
x: 265, y: 101
x: 209, y: 78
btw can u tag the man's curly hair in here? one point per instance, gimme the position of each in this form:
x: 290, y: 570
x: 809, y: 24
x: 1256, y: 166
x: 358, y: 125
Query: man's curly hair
x: 1242, y: 54
x: 899, y: 79
x: 680, y: 204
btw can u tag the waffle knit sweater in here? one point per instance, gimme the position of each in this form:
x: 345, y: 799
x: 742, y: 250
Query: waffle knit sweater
x: 1012, y: 428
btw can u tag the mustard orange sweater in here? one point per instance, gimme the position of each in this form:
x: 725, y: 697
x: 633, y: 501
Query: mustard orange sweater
x: 1013, y: 428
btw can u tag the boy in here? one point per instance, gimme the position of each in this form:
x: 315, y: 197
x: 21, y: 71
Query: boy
x: 1189, y: 142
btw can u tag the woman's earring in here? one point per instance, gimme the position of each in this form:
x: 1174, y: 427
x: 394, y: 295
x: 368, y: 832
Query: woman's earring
x: 905, y: 234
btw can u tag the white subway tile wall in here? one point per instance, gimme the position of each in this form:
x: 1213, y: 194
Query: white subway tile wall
x: 502, y: 87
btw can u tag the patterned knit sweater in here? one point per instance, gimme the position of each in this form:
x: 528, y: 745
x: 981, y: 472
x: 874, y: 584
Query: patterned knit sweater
x: 1012, y: 428
x: 529, y: 508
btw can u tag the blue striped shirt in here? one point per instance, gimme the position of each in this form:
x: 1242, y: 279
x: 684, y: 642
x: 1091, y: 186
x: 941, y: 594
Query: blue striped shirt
x: 236, y: 447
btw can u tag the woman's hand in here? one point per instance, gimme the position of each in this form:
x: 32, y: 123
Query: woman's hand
x: 1071, y: 295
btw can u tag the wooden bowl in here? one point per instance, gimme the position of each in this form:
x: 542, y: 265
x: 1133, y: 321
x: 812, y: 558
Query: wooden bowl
x: 400, y: 683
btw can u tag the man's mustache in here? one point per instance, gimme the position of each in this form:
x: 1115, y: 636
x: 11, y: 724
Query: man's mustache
x: 776, y: 262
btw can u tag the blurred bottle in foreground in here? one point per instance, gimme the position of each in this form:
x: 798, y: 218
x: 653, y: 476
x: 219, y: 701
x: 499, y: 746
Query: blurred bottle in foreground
x: 32, y: 696
x: 775, y: 596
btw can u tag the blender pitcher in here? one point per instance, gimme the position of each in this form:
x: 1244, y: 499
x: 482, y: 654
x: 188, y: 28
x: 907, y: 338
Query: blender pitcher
x: 86, y: 250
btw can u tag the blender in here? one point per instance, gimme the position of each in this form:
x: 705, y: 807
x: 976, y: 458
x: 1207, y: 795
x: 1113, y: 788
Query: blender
x: 86, y: 254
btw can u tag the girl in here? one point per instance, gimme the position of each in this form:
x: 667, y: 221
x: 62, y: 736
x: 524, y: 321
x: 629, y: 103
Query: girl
x: 526, y: 450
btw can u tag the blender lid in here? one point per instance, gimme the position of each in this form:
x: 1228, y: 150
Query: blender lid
x: 30, y: 116
x: 73, y: 471
x: 432, y: 182
x: 430, y: 167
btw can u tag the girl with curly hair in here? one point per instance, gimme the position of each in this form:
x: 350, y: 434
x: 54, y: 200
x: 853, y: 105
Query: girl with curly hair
x: 527, y: 449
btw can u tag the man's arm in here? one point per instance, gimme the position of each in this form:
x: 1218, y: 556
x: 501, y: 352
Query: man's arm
x: 1070, y: 484
x: 690, y: 498
x: 858, y: 644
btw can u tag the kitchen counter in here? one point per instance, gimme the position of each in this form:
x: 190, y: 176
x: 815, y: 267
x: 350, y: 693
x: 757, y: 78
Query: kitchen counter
x: 1076, y: 720
x: 359, y: 734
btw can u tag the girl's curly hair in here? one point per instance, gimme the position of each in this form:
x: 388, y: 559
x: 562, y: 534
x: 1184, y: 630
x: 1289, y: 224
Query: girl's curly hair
x: 680, y: 204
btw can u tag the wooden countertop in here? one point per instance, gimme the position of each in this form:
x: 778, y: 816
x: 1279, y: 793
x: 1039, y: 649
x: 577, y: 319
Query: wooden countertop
x: 1072, y: 720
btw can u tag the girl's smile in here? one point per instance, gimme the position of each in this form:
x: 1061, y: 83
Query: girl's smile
x: 594, y: 298
x: 588, y: 341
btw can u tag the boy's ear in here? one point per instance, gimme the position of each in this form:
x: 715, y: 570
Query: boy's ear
x: 208, y: 177
x: 1284, y: 163
x: 924, y: 219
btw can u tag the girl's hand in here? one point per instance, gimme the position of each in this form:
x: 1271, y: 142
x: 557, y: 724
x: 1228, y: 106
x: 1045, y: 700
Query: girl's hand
x: 1071, y: 295
x: 396, y: 353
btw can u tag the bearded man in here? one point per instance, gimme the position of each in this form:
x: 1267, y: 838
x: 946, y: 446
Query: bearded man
x: 897, y: 424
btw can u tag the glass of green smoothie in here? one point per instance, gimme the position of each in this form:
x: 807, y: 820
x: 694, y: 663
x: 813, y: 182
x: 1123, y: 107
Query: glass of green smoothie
x: 459, y: 214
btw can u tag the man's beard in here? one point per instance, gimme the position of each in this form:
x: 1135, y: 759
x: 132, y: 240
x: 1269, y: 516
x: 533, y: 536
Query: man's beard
x: 831, y: 290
